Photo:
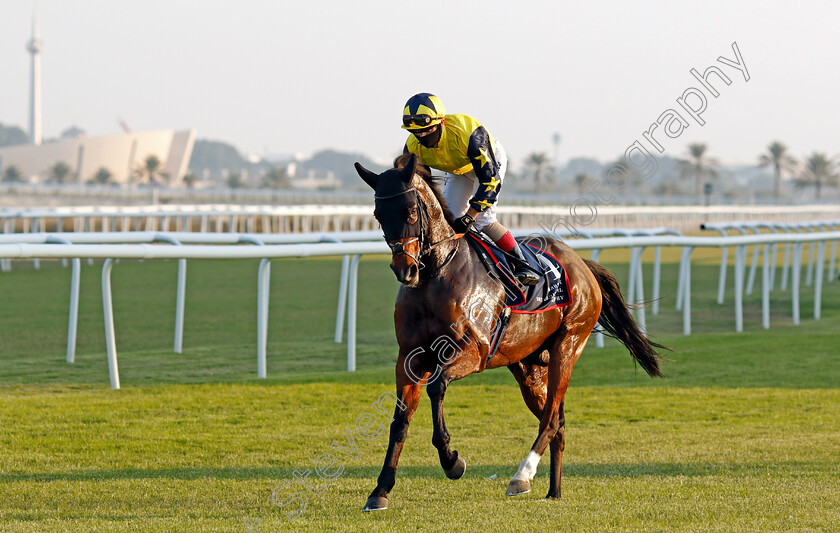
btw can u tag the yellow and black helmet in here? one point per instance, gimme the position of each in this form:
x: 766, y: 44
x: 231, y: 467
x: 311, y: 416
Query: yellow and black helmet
x: 422, y: 111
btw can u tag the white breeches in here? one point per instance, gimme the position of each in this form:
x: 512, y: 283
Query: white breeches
x: 457, y: 191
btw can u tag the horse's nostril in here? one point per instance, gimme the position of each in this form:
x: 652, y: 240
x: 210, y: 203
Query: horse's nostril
x: 412, y: 271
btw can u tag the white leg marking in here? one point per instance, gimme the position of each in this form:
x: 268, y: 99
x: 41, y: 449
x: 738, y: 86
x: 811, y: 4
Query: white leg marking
x: 528, y: 468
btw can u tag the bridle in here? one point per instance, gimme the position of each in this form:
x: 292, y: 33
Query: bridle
x: 398, y: 247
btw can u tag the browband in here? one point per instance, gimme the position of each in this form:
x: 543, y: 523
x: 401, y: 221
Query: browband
x: 393, y: 195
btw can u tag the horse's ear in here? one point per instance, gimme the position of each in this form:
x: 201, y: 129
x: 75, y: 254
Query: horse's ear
x: 410, y: 168
x: 370, y: 177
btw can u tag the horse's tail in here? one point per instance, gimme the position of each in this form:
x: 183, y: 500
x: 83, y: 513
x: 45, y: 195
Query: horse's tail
x: 617, y: 321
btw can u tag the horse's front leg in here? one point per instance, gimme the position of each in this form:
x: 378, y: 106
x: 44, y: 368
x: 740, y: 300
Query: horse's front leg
x: 453, y: 465
x: 409, y: 396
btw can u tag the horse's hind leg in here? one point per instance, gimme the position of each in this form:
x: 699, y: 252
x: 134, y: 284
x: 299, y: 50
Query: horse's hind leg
x: 532, y: 379
x: 453, y: 465
x: 558, y: 444
x: 563, y: 355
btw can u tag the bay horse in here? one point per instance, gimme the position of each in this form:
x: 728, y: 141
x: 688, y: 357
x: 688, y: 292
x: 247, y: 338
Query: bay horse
x: 442, y: 328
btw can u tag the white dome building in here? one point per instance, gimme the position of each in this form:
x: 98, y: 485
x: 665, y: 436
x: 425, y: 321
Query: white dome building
x: 121, y: 154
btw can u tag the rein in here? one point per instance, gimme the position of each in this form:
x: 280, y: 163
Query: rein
x: 451, y: 254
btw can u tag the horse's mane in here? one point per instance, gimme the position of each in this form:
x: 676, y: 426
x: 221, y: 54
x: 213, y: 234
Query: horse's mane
x: 426, y: 173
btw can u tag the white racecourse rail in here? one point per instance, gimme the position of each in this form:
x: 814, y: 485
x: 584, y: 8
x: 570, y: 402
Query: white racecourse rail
x: 257, y: 239
x: 56, y: 247
x: 324, y: 218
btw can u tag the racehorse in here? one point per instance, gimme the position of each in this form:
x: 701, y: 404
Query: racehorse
x: 441, y: 325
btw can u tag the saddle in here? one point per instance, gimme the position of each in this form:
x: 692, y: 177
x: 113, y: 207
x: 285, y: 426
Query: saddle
x: 549, y: 293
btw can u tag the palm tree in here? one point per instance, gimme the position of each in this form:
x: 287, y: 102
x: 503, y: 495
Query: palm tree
x: 582, y: 181
x: 622, y: 177
x: 151, y: 169
x: 12, y: 174
x: 698, y: 166
x: 102, y: 177
x: 819, y: 169
x: 60, y: 171
x: 778, y: 157
x: 276, y: 178
x: 190, y: 179
x: 538, y: 166
x: 234, y: 180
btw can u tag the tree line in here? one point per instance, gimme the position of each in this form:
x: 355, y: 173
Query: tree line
x: 816, y: 170
x: 149, y: 172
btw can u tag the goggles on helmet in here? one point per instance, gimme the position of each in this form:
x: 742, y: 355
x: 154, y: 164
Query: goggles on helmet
x: 420, y: 121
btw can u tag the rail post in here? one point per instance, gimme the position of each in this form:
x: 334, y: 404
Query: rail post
x: 351, y: 313
x: 795, y: 275
x: 685, y: 269
x: 108, y: 311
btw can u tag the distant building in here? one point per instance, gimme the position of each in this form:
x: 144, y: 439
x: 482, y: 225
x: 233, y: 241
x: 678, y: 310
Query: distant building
x: 121, y: 154
x: 313, y: 182
x: 34, y: 47
x: 73, y: 132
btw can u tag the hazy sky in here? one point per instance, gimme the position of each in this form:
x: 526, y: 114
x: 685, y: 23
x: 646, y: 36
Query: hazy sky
x: 285, y: 77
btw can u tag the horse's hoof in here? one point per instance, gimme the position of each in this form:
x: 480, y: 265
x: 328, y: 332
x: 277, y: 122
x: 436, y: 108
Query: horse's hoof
x: 376, y: 503
x: 457, y: 469
x: 517, y: 487
x: 551, y: 496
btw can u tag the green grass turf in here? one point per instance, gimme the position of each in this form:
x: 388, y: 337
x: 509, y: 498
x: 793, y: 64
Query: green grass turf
x: 743, y: 434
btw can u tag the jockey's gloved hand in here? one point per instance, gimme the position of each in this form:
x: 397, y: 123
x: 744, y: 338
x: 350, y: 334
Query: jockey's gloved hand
x: 463, y: 224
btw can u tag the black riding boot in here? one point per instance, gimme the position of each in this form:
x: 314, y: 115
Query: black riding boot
x: 521, y: 270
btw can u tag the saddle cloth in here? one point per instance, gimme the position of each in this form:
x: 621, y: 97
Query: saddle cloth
x: 551, y: 292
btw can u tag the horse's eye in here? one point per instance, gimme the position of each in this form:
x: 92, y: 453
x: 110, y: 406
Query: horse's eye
x: 412, y: 214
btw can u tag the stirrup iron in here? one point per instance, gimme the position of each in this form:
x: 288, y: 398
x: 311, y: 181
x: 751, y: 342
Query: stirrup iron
x: 522, y: 270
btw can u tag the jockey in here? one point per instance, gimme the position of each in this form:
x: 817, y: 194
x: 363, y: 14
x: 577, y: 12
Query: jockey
x: 475, y: 165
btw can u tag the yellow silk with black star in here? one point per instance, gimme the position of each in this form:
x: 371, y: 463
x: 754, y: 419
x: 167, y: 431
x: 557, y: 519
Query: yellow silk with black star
x: 464, y: 146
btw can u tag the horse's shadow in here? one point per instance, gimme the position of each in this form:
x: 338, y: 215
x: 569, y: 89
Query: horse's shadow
x: 582, y: 470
